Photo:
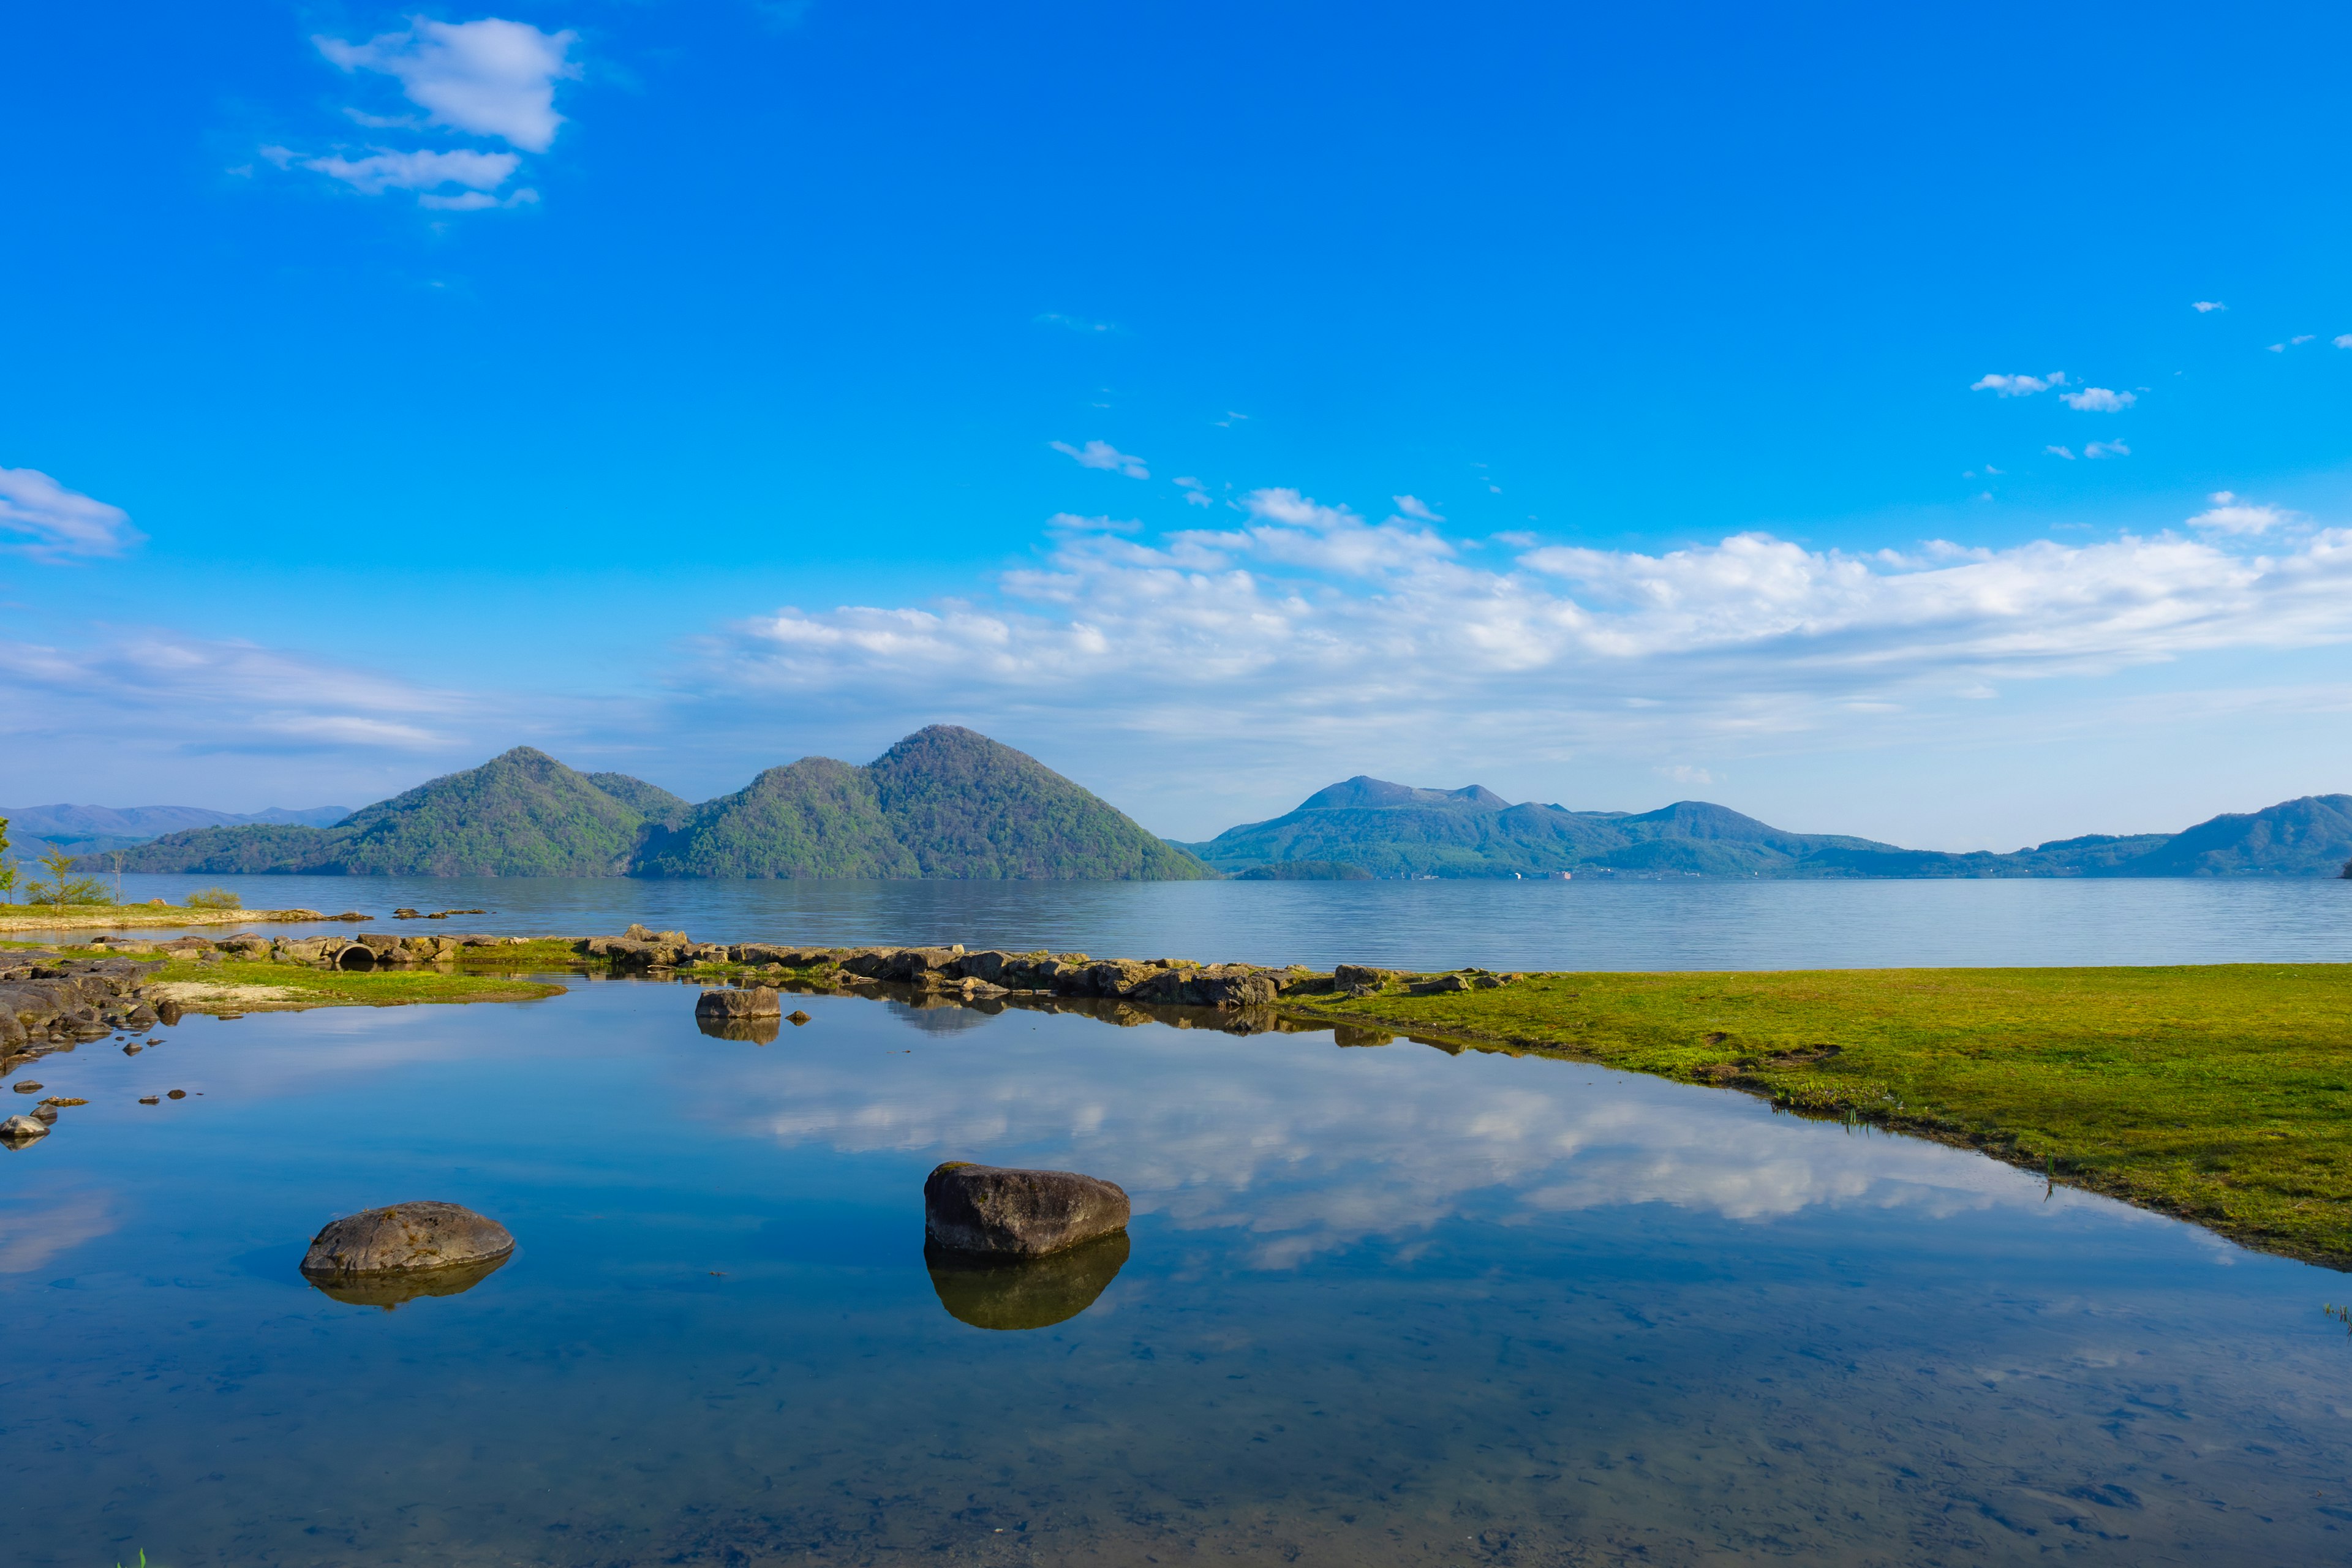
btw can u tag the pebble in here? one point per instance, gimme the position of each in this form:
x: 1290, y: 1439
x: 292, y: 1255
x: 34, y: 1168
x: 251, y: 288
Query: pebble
x: 54, y: 1100
x: 28, y: 1086
x: 177, y: 1094
x: 150, y: 1100
x: 130, y: 1051
x: 796, y: 1017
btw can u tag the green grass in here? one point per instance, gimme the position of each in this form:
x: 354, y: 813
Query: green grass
x: 2221, y: 1094
x: 307, y: 987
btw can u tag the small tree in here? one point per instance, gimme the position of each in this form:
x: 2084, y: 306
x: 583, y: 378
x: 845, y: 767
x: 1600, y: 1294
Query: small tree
x: 7, y: 867
x: 62, y: 889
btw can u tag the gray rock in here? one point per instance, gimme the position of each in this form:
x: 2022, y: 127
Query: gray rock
x: 752, y: 1002
x: 1017, y: 1214
x: 405, y: 1236
x: 22, y: 1130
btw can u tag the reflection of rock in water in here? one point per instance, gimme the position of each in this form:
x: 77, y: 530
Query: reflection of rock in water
x: 390, y: 1290
x: 758, y: 1031
x: 1349, y: 1035
x: 994, y: 1293
x: 940, y: 1017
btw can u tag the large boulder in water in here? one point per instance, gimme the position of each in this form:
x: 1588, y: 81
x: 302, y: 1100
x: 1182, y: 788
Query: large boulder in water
x: 746, y: 1002
x: 404, y: 1238
x: 1024, y: 1293
x: 989, y: 1210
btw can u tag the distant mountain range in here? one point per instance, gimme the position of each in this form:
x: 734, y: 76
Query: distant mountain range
x: 1396, y: 830
x: 92, y: 829
x: 944, y: 802
x: 949, y: 803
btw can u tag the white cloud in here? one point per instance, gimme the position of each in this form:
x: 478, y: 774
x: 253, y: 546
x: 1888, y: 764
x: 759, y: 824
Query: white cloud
x: 1073, y: 323
x: 2098, y: 400
x: 2019, y: 385
x: 424, y: 170
x: 42, y: 519
x: 1195, y: 493
x: 2278, y: 348
x: 1070, y: 523
x: 2233, y: 514
x: 486, y: 78
x: 2060, y: 452
x: 1309, y: 618
x: 1103, y: 454
x: 170, y: 690
x: 2206, y: 307
x: 1414, y: 507
x: 2106, y: 449
x: 2300, y: 338
x: 2343, y: 341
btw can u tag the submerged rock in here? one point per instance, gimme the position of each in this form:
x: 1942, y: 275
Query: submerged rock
x: 796, y: 1017
x: 1024, y: 1293
x: 405, y: 1236
x: 990, y: 1210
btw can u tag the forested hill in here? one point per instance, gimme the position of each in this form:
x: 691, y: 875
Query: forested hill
x: 945, y: 802
x: 1396, y: 830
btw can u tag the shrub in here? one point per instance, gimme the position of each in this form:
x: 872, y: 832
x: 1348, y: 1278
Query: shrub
x: 214, y: 899
x: 60, y: 889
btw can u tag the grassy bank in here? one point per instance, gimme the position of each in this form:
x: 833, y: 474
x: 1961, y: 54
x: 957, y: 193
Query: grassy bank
x: 141, y: 917
x: 2221, y: 1094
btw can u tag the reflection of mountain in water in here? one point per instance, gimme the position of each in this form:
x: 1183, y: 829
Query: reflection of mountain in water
x: 1034, y: 1293
x: 758, y: 1031
x: 940, y: 1017
x: 389, y: 1291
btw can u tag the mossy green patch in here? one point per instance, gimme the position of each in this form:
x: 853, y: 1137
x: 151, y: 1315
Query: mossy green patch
x: 2221, y: 1094
x: 236, y: 986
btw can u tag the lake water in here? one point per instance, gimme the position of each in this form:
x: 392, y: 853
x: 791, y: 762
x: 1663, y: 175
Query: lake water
x: 1587, y: 924
x: 1381, y: 1305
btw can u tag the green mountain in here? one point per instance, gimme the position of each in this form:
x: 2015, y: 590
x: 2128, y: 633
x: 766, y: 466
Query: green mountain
x: 1396, y: 830
x: 651, y: 802
x: 521, y: 813
x: 943, y: 803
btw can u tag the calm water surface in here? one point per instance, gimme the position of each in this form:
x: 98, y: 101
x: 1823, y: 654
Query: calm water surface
x: 1420, y: 925
x: 1383, y: 1305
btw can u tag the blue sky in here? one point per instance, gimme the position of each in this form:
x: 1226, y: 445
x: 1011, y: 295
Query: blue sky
x: 1808, y: 409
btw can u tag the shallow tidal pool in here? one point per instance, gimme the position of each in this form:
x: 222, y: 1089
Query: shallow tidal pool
x: 1379, y: 1304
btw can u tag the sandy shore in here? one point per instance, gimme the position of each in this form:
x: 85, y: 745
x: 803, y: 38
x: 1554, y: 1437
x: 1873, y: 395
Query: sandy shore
x: 122, y: 916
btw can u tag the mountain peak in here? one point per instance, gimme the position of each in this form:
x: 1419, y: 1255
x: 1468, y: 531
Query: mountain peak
x: 1366, y: 793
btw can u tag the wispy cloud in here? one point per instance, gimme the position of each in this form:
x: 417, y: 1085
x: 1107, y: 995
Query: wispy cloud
x: 2060, y: 452
x: 1073, y: 324
x: 2301, y: 338
x: 2098, y: 400
x: 2207, y: 307
x: 2017, y: 385
x: 1104, y: 456
x: 488, y: 78
x: 2343, y: 341
x: 1195, y: 492
x: 2231, y: 513
x: 424, y: 170
x: 2106, y: 449
x: 42, y: 519
x: 1414, y: 507
x: 1310, y: 617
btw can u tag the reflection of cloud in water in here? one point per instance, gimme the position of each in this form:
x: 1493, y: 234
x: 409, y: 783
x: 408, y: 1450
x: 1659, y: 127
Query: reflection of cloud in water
x: 1306, y: 1148
x: 36, y: 1227
x: 938, y: 1020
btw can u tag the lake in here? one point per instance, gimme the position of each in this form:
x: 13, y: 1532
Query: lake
x: 1585, y: 924
x: 1380, y: 1304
